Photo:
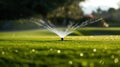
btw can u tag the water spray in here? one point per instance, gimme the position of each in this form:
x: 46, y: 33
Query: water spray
x: 63, y: 33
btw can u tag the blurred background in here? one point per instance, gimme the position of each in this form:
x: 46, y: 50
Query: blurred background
x: 16, y: 14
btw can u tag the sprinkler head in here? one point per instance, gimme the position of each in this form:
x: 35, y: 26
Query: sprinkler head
x: 62, y: 39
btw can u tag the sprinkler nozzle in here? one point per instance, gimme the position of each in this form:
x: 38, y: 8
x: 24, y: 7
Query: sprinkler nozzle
x: 62, y: 39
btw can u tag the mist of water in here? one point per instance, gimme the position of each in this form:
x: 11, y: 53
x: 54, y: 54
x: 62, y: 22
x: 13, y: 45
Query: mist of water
x: 71, y: 27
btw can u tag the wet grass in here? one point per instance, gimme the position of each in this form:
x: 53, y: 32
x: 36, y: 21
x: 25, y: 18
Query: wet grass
x: 44, y: 49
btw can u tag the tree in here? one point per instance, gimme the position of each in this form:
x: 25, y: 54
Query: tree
x: 69, y: 11
x: 111, y: 16
x: 12, y: 9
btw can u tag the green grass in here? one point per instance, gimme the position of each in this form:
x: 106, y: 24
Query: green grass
x: 100, y: 31
x: 40, y: 48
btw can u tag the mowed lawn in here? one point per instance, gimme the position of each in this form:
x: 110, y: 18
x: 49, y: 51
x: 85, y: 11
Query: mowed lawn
x: 40, y: 48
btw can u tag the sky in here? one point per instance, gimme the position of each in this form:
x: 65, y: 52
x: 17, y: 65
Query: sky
x: 91, y: 5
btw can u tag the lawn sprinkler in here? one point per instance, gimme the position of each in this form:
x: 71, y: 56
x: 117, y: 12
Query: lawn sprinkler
x: 62, y: 39
x: 70, y: 28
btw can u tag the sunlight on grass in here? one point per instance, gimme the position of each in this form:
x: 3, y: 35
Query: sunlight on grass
x: 47, y: 50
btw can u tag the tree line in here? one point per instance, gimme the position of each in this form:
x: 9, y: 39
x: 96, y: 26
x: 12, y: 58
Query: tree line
x: 15, y: 9
x: 111, y: 16
x: 14, y: 12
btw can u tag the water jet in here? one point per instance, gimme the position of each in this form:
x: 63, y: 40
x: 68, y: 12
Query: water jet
x: 71, y: 27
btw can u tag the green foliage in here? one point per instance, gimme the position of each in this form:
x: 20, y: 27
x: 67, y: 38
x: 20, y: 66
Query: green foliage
x: 21, y: 24
x: 13, y: 9
x: 13, y: 12
x: 70, y: 9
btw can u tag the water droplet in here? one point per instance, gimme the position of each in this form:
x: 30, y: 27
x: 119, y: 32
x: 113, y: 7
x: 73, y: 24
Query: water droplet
x: 116, y: 60
x: 3, y: 52
x: 16, y: 51
x: 81, y: 54
x: 33, y: 50
x: 94, y: 50
x: 70, y: 62
x: 58, y: 51
x: 51, y: 49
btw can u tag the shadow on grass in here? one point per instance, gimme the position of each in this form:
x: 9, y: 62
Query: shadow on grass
x: 39, y: 40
